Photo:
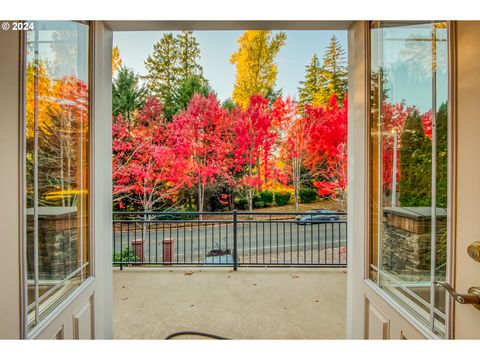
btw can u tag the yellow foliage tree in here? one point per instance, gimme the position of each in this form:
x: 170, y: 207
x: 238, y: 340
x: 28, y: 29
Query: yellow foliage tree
x: 256, y: 70
x: 116, y: 60
x: 43, y: 99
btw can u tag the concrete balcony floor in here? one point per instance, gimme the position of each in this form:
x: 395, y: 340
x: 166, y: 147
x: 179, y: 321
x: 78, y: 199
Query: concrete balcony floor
x: 251, y: 303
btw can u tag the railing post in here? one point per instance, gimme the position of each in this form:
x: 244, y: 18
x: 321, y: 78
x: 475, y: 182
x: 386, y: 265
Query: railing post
x: 234, y: 240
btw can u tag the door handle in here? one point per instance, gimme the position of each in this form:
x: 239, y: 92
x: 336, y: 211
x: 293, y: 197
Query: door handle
x: 473, y: 296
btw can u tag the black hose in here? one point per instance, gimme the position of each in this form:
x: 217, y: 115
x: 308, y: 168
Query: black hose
x: 199, y: 333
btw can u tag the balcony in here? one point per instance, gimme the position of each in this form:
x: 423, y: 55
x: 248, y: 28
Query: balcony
x: 251, y: 303
x: 176, y: 272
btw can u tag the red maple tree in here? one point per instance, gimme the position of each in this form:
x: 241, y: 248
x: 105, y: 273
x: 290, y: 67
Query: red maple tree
x: 257, y: 134
x: 202, y: 141
x: 296, y: 132
x: 327, y: 146
x: 144, y: 166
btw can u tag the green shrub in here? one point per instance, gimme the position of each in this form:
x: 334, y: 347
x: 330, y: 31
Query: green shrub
x: 267, y: 197
x: 241, y: 204
x: 258, y: 204
x: 125, y: 255
x: 307, y: 195
x: 282, y: 198
x: 178, y: 216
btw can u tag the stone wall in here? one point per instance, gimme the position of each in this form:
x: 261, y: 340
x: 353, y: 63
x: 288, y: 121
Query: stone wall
x: 57, y: 243
x: 406, y: 240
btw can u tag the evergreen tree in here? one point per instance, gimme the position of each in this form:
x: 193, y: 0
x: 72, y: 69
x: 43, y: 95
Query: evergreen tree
x: 228, y: 104
x: 415, y: 164
x: 313, y: 87
x: 256, y: 70
x: 127, y: 95
x: 189, y: 54
x: 273, y: 95
x: 334, y: 71
x: 162, y: 67
x: 173, y: 61
x: 188, y: 87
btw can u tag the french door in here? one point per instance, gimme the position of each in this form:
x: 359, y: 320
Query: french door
x: 66, y: 268
x: 420, y: 195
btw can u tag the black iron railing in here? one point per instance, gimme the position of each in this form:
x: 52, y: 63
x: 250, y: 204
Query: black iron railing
x: 310, y: 239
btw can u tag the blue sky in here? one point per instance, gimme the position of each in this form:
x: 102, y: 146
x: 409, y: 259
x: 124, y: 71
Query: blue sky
x: 406, y: 55
x: 217, y: 46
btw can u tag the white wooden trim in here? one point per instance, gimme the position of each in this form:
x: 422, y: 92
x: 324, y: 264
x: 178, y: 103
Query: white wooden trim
x: 357, y: 176
x: 101, y: 185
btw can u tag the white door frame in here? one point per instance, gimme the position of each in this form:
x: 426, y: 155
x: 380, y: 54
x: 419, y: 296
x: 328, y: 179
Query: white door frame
x: 95, y: 294
x: 358, y: 201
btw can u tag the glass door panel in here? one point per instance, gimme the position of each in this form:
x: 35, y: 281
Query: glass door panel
x: 409, y: 166
x: 56, y: 164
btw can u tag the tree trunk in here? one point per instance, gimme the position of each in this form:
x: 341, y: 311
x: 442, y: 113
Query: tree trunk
x: 201, y: 196
x: 296, y: 180
x: 250, y: 190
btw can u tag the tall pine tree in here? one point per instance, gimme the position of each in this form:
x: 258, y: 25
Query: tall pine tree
x: 334, y: 71
x: 174, y: 59
x: 162, y: 67
x: 312, y: 89
x: 256, y: 70
x: 127, y: 95
x: 324, y: 80
x: 189, y: 55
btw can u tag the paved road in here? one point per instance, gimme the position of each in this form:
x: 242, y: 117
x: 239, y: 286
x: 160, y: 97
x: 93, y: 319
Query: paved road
x: 255, y: 240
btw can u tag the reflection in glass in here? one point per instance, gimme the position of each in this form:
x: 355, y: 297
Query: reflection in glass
x: 409, y: 165
x: 57, y: 168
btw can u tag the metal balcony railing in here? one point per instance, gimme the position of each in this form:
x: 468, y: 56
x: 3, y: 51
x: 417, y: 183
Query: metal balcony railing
x: 288, y: 239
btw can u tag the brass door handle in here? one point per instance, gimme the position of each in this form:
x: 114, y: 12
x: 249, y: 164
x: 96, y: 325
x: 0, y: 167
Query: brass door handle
x: 473, y: 296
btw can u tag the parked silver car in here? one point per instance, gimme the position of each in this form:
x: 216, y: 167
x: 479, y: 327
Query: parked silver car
x: 318, y: 216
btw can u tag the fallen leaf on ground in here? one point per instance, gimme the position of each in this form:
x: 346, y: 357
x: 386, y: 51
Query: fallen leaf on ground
x: 188, y: 273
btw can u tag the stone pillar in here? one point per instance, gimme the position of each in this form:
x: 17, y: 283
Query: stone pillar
x: 137, y: 246
x: 407, y: 238
x: 167, y: 250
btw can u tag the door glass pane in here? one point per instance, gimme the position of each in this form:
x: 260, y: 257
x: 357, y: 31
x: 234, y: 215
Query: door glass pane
x: 409, y: 165
x: 57, y: 166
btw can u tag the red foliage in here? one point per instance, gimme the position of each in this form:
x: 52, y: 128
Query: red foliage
x: 393, y: 121
x: 72, y: 98
x: 327, y: 145
x: 144, y: 166
x: 427, y: 124
x: 208, y: 146
x: 203, y: 140
x: 256, y: 131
